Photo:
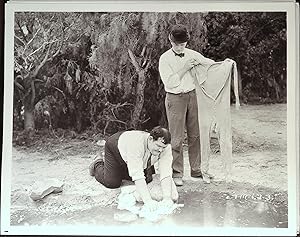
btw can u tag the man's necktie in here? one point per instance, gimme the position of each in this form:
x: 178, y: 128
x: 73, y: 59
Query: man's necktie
x: 148, y: 170
x: 149, y: 162
x: 178, y: 54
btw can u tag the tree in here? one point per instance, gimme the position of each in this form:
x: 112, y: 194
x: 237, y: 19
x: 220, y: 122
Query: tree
x: 257, y: 42
x: 100, y: 70
x: 39, y: 39
x: 127, y: 49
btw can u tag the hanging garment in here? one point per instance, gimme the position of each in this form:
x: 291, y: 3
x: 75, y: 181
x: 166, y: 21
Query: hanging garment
x: 213, y: 84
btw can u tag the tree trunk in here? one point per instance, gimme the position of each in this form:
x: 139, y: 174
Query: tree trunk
x: 163, y: 119
x: 139, y: 103
x: 28, y: 119
x: 240, y: 85
x: 78, y: 117
x: 277, y: 89
x: 141, y: 71
x: 275, y: 84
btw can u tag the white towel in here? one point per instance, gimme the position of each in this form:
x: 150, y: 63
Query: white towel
x: 127, y: 201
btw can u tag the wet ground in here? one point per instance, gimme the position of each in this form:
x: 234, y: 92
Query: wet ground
x: 256, y: 198
x: 213, y: 209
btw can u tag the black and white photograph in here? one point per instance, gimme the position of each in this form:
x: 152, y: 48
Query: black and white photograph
x: 149, y: 119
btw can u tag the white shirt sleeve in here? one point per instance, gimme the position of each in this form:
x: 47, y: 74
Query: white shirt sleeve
x: 135, y: 164
x: 132, y: 149
x: 168, y: 76
x: 203, y: 59
x: 165, y: 163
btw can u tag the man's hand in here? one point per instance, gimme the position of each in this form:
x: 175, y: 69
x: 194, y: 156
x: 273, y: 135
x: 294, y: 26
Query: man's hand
x: 151, y: 205
x: 189, y: 64
x: 167, y: 203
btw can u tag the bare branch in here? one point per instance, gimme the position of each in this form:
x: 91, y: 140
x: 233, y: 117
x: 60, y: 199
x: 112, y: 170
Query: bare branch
x: 106, y: 126
x: 128, y: 104
x: 57, y: 52
x: 33, y: 36
x: 52, y: 17
x: 69, y: 26
x: 30, y: 66
x: 17, y: 64
x: 26, y: 46
x: 143, y: 51
x: 43, y: 62
x: 20, y: 40
x: 78, y: 38
x: 24, y: 36
x: 147, y: 66
x: 36, y: 50
x: 19, y: 76
x: 39, y: 80
x: 42, y: 46
x: 148, y: 58
x: 133, y: 60
x: 146, y: 120
x: 116, y: 120
x: 60, y: 91
x: 112, y: 111
x: 19, y: 85
x: 112, y: 120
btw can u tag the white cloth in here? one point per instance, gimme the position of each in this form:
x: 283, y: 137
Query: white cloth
x: 213, y: 84
x: 127, y: 201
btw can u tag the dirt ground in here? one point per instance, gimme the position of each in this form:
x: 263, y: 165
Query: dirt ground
x: 259, y: 168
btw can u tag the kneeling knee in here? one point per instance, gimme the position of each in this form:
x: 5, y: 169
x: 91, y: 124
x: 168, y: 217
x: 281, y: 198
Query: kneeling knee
x: 112, y: 185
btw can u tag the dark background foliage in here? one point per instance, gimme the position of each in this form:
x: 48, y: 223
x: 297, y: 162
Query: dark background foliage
x: 99, y: 71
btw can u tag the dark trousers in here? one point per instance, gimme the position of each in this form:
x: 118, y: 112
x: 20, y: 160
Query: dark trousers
x: 114, y: 169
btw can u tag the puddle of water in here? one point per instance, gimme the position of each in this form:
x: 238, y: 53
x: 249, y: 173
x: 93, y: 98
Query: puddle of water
x: 222, y: 210
x: 212, y: 209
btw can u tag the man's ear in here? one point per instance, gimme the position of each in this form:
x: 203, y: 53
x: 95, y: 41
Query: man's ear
x: 169, y: 37
x: 151, y: 138
x: 161, y: 139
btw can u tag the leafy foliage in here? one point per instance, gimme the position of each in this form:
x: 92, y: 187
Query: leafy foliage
x: 99, y: 71
x: 257, y: 42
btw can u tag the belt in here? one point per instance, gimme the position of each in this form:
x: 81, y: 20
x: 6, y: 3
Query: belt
x: 182, y: 93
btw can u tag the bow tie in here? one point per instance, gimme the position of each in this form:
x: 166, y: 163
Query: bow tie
x: 179, y: 54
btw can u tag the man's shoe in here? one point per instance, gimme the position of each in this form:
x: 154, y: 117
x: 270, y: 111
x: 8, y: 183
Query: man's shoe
x: 178, y: 181
x: 206, y: 178
x: 197, y: 175
x: 92, y: 166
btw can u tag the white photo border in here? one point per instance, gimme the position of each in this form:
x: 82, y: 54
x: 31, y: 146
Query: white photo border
x: 121, y: 6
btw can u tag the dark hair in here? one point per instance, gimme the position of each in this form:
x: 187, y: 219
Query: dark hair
x: 164, y: 133
x: 179, y: 34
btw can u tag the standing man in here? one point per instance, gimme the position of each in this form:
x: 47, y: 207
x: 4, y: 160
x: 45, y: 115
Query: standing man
x: 130, y: 155
x: 181, y: 102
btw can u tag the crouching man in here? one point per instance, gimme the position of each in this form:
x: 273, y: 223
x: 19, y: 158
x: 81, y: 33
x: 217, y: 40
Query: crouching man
x: 130, y: 155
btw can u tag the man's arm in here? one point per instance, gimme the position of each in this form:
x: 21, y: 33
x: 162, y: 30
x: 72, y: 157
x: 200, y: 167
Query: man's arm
x: 200, y: 59
x: 187, y: 66
x: 143, y: 191
x: 166, y: 181
x: 170, y: 78
x: 166, y: 187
